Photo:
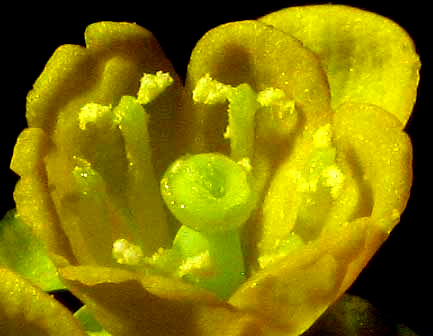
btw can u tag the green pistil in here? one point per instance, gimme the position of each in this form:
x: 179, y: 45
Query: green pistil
x: 208, y: 192
x: 210, y: 195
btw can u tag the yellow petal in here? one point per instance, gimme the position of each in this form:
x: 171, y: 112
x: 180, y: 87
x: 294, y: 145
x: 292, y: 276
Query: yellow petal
x: 27, y: 311
x: 59, y: 142
x: 74, y: 71
x: 381, y: 153
x: 368, y: 58
x: 263, y: 57
x: 31, y: 194
x: 292, y: 293
x: 375, y: 156
x: 125, y: 304
x: 372, y: 139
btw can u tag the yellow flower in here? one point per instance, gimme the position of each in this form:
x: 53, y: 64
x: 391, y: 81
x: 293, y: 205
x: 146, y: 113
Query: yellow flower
x: 306, y: 111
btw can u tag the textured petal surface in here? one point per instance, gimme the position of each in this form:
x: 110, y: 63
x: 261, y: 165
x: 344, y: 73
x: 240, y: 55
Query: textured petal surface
x: 381, y: 156
x: 78, y: 171
x: 34, y: 204
x: 27, y: 311
x: 368, y: 58
x: 127, y: 304
x: 256, y: 54
x: 300, y: 282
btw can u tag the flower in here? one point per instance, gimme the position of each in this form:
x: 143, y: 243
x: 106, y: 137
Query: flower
x: 245, y: 201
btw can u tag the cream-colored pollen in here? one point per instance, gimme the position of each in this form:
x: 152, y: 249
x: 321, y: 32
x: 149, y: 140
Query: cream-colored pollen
x: 270, y: 96
x: 210, y: 91
x: 91, y: 112
x: 127, y: 253
x: 152, y: 85
x: 200, y: 265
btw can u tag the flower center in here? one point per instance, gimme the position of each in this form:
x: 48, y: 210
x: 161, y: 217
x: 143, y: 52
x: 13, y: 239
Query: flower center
x: 210, y: 194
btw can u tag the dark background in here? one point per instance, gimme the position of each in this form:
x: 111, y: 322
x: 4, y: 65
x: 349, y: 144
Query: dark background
x: 396, y: 280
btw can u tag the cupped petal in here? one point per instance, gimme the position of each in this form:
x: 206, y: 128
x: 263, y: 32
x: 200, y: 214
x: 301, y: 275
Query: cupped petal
x: 368, y: 58
x: 76, y: 74
x: 86, y: 152
x: 25, y: 310
x: 286, y: 85
x: 34, y: 204
x: 381, y: 154
x: 125, y: 303
x: 309, y: 258
x: 294, y: 290
x: 263, y: 57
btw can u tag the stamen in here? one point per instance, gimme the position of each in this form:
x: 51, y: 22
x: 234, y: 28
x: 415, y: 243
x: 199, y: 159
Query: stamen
x: 152, y: 86
x: 197, y: 266
x: 90, y: 113
x: 209, y: 91
x: 270, y: 96
x: 126, y: 253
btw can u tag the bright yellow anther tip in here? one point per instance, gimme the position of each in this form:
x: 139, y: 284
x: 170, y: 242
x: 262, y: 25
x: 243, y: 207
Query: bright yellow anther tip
x: 270, y: 96
x: 91, y: 112
x: 210, y: 91
x: 152, y: 85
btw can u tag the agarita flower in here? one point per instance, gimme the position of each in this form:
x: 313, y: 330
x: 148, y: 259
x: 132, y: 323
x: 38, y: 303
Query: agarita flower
x: 244, y: 202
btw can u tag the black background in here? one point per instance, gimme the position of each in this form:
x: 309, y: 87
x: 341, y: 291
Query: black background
x: 396, y: 280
